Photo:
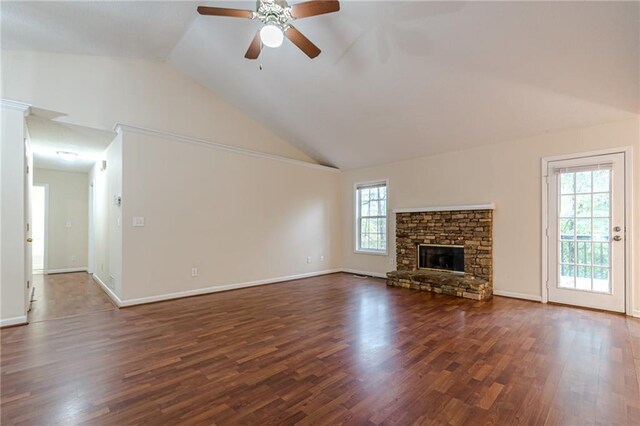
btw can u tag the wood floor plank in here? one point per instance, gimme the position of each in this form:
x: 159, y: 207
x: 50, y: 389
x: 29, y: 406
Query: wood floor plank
x: 62, y: 295
x: 335, y: 349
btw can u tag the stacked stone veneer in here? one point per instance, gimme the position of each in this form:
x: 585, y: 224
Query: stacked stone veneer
x: 472, y: 229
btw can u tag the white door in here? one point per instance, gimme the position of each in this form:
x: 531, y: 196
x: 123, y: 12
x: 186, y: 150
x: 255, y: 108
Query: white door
x: 586, y: 232
x: 38, y: 227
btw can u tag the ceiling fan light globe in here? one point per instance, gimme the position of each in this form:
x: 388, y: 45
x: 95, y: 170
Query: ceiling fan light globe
x: 271, y: 36
x: 67, y: 156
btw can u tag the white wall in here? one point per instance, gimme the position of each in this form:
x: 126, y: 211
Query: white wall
x: 237, y: 218
x: 99, y: 91
x: 68, y: 203
x: 107, y: 218
x: 507, y: 174
x: 12, y: 225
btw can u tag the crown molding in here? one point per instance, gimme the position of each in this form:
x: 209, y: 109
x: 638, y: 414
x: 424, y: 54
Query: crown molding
x: 486, y: 206
x: 119, y: 128
x: 20, y: 106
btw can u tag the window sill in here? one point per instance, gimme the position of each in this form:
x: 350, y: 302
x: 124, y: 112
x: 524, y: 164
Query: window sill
x: 374, y: 252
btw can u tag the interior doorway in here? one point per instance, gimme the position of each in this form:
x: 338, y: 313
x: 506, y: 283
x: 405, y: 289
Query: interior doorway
x: 39, y: 207
x: 59, y: 191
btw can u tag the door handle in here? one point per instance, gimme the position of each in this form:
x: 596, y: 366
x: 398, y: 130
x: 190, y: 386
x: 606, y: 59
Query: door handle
x: 617, y: 238
x: 617, y: 229
x: 29, y: 240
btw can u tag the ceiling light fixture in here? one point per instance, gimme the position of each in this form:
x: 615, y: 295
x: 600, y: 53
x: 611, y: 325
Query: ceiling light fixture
x: 277, y: 15
x: 271, y: 36
x: 67, y: 156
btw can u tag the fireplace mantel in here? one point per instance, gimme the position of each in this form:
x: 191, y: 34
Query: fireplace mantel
x: 486, y: 206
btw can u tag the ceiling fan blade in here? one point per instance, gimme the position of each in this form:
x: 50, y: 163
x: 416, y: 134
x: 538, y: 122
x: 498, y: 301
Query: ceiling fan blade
x: 314, y: 7
x: 254, y: 48
x: 303, y: 43
x: 222, y: 11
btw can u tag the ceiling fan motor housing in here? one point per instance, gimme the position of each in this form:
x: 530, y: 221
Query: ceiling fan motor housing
x: 273, y: 12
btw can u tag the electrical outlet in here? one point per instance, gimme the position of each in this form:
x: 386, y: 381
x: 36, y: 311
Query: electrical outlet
x: 73, y: 258
x: 68, y: 224
x: 321, y: 258
x: 308, y: 259
x: 194, y: 272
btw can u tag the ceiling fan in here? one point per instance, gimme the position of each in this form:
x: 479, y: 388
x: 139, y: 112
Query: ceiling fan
x: 276, y: 16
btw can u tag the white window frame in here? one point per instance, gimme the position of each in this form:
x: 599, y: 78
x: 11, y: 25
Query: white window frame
x: 356, y: 203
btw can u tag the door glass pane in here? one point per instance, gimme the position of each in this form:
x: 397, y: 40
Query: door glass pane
x: 584, y: 227
x: 567, y: 252
x: 567, y: 205
x: 583, y: 277
x: 600, y: 229
x: 567, y: 183
x: 601, y: 280
x: 567, y: 276
x: 601, y: 205
x: 583, y: 182
x: 583, y: 253
x: 601, y: 179
x: 567, y: 229
x: 601, y: 255
x: 583, y: 205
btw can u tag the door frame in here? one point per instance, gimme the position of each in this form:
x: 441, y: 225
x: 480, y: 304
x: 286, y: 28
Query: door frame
x: 45, y: 262
x: 627, y: 151
x: 28, y: 220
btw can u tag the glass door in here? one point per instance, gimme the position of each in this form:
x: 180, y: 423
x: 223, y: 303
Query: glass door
x: 586, y: 220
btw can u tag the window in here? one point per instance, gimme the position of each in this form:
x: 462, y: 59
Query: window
x: 371, y: 217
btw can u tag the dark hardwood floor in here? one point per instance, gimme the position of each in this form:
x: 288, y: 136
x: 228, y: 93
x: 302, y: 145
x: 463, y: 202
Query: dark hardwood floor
x: 63, y: 295
x: 325, y: 350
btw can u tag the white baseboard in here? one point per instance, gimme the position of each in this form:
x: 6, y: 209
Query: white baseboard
x: 517, y: 295
x: 13, y: 321
x: 224, y: 287
x: 636, y: 314
x: 66, y: 270
x: 114, y: 297
x: 370, y: 274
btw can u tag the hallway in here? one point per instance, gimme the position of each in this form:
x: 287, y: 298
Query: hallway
x: 64, y: 295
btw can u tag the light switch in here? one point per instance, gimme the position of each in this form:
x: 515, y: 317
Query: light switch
x: 68, y: 224
x: 138, y: 221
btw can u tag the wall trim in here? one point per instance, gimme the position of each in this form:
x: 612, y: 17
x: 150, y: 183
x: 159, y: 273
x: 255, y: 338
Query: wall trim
x: 20, y: 106
x: 66, y: 270
x: 120, y: 127
x: 114, y: 297
x: 514, y: 295
x: 224, y: 287
x: 8, y: 322
x: 485, y: 206
x: 368, y: 273
x: 636, y: 313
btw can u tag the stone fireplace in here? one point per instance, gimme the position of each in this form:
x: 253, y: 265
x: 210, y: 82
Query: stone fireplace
x: 445, y: 250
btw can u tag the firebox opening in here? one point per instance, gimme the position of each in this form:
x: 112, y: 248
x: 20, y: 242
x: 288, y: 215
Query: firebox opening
x: 441, y: 257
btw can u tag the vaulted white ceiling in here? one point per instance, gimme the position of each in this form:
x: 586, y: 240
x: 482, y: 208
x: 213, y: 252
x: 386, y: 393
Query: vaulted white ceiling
x: 395, y: 79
